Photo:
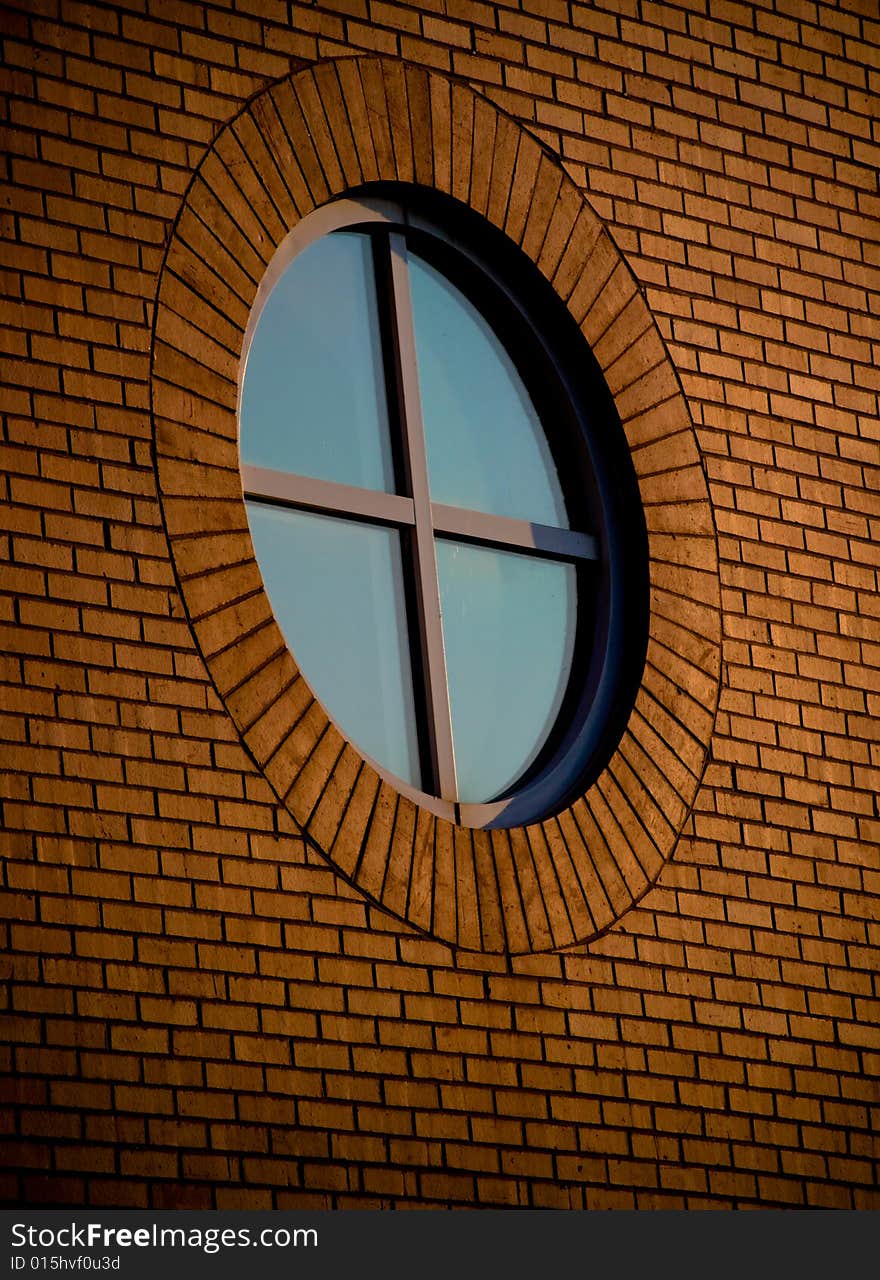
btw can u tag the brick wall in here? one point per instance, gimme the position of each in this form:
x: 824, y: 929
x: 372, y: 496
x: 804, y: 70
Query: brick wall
x: 199, y: 1010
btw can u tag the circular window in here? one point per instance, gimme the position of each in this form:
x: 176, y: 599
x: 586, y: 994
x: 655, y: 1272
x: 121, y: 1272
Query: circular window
x: 491, y: 706
x: 443, y: 506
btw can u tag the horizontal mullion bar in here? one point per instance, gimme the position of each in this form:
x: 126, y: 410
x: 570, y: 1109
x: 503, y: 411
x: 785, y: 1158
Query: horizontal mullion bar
x: 331, y: 497
x: 266, y: 485
x: 515, y: 535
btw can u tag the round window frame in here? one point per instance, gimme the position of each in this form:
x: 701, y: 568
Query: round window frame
x: 312, y: 136
x: 609, y: 647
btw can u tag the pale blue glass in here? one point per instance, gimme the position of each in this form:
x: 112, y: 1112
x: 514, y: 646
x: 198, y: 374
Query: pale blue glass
x: 486, y: 447
x: 313, y: 399
x: 336, y: 588
x: 508, y: 628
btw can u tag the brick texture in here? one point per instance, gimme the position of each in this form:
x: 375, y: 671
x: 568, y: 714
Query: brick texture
x: 202, y: 1010
x: 567, y: 878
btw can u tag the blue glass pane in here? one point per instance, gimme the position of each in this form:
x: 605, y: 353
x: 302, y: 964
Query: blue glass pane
x: 336, y: 589
x: 486, y: 446
x: 313, y: 398
x: 508, y: 627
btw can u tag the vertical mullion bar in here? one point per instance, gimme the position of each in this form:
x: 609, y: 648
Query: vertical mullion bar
x: 425, y: 556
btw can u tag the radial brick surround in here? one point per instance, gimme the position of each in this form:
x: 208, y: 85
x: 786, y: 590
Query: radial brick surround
x: 221, y: 985
x: 320, y: 134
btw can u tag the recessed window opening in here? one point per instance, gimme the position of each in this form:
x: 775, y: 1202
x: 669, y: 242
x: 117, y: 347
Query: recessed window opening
x: 442, y: 507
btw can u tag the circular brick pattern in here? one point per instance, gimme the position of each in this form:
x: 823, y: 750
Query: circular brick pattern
x: 316, y: 135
